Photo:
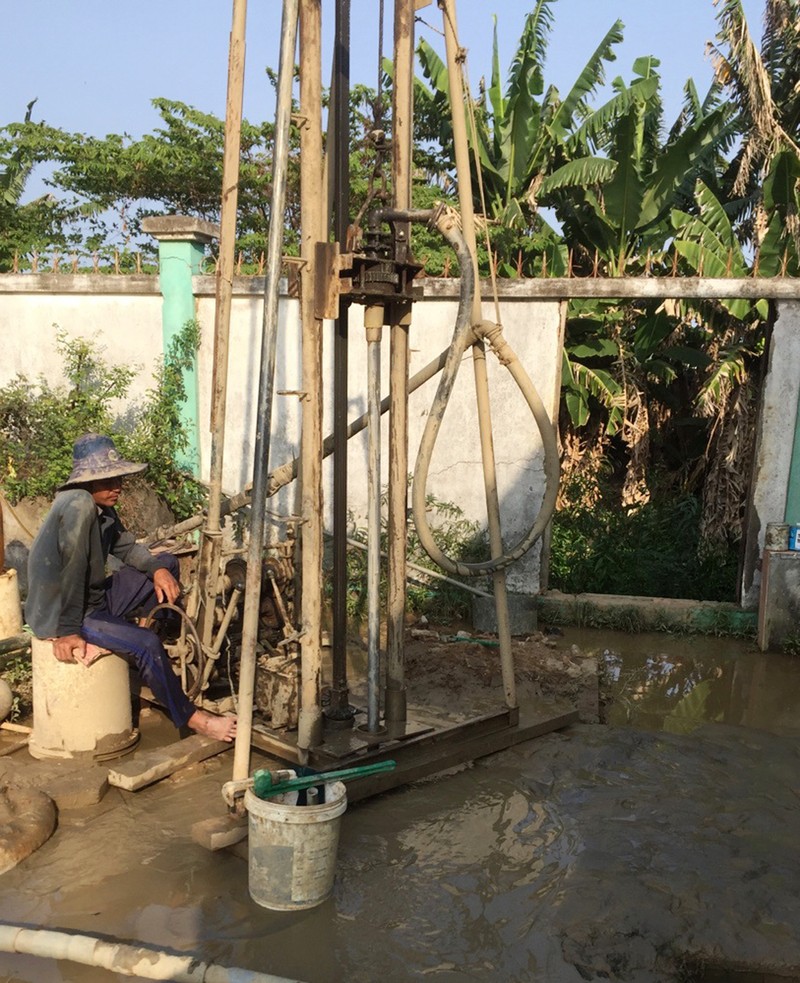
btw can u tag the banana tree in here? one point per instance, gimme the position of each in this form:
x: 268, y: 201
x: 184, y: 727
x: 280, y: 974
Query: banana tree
x: 765, y: 87
x: 518, y: 135
x: 614, y: 203
x: 618, y: 223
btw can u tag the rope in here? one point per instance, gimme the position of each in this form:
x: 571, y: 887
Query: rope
x: 4, y: 503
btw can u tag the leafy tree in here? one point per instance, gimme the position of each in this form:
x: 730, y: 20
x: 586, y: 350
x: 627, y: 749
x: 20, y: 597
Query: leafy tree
x: 30, y: 227
x: 107, y: 185
x: 520, y: 136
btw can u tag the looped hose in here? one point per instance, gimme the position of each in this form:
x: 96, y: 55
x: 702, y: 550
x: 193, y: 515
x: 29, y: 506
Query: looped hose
x: 465, y: 334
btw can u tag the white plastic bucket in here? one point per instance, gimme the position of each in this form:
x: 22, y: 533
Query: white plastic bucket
x: 292, y: 848
x: 80, y: 710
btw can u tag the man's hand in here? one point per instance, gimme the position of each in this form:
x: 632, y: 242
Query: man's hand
x: 167, y: 588
x: 64, y: 648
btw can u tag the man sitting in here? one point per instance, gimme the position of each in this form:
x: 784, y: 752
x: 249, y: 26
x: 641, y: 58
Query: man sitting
x: 82, y: 611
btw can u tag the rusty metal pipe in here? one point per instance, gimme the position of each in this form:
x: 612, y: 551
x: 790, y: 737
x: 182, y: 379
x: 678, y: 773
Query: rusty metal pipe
x: 373, y: 321
x: 339, y: 707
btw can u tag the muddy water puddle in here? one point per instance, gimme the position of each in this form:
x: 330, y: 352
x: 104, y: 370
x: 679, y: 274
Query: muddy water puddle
x: 630, y: 852
x: 677, y: 683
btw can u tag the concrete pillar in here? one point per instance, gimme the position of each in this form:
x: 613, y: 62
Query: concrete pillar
x: 181, y: 249
x: 790, y: 311
x: 775, y: 494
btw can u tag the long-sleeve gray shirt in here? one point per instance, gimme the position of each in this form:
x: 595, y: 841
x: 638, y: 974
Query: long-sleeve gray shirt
x: 67, y: 563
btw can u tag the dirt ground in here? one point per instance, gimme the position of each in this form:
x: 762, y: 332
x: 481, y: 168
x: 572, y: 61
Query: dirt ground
x: 591, y: 854
x: 446, y: 665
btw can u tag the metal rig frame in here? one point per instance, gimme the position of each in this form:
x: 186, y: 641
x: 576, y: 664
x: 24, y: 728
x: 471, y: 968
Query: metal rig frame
x: 373, y: 267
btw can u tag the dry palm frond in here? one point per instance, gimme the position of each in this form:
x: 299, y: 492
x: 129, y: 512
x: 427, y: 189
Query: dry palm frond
x: 729, y: 451
x: 744, y: 71
x: 636, y: 436
x: 582, y: 462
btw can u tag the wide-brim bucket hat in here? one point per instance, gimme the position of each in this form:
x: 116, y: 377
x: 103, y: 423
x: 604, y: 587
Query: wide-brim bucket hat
x: 95, y: 458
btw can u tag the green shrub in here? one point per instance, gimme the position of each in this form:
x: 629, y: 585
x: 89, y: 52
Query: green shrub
x: 39, y: 422
x: 456, y: 535
x: 652, y: 550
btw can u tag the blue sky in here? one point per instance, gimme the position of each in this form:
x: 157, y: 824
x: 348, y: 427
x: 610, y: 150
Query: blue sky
x: 95, y: 65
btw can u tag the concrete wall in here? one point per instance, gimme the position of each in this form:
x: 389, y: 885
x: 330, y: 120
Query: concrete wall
x: 124, y: 315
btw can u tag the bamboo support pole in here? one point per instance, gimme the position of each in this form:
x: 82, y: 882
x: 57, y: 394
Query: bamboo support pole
x: 478, y: 349
x: 309, y: 731
x: 252, y: 602
x: 208, y: 572
x: 402, y: 131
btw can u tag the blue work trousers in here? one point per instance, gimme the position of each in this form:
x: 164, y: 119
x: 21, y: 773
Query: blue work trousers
x: 130, y: 590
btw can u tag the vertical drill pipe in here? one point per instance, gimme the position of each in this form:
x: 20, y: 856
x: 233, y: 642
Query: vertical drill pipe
x: 402, y: 128
x: 269, y: 331
x: 478, y: 351
x: 309, y: 731
x: 208, y: 573
x: 373, y: 319
x: 340, y: 701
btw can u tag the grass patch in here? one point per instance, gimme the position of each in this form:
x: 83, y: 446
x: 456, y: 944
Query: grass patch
x: 651, y: 550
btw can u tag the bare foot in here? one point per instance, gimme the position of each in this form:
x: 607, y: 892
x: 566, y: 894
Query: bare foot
x: 210, y: 725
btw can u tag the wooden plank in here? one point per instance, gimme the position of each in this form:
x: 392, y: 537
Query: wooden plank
x: 9, y: 747
x: 16, y: 728
x: 326, y: 280
x: 457, y: 747
x: 151, y: 766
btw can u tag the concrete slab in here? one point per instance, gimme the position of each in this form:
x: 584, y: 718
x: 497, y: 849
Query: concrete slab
x: 634, y: 614
x: 219, y: 831
x: 78, y: 789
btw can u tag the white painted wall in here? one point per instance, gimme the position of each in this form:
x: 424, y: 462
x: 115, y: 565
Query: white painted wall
x: 531, y: 327
x: 124, y: 315
x: 125, y: 322
x: 128, y: 324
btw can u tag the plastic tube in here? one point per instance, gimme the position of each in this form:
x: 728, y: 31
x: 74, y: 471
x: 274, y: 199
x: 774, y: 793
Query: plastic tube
x: 127, y: 960
x: 462, y: 336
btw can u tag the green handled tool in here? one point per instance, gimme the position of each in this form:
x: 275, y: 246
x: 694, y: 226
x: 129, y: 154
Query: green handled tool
x: 267, y: 783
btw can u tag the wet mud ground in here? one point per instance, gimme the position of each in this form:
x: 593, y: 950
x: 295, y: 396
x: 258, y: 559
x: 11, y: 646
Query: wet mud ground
x: 662, y: 847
